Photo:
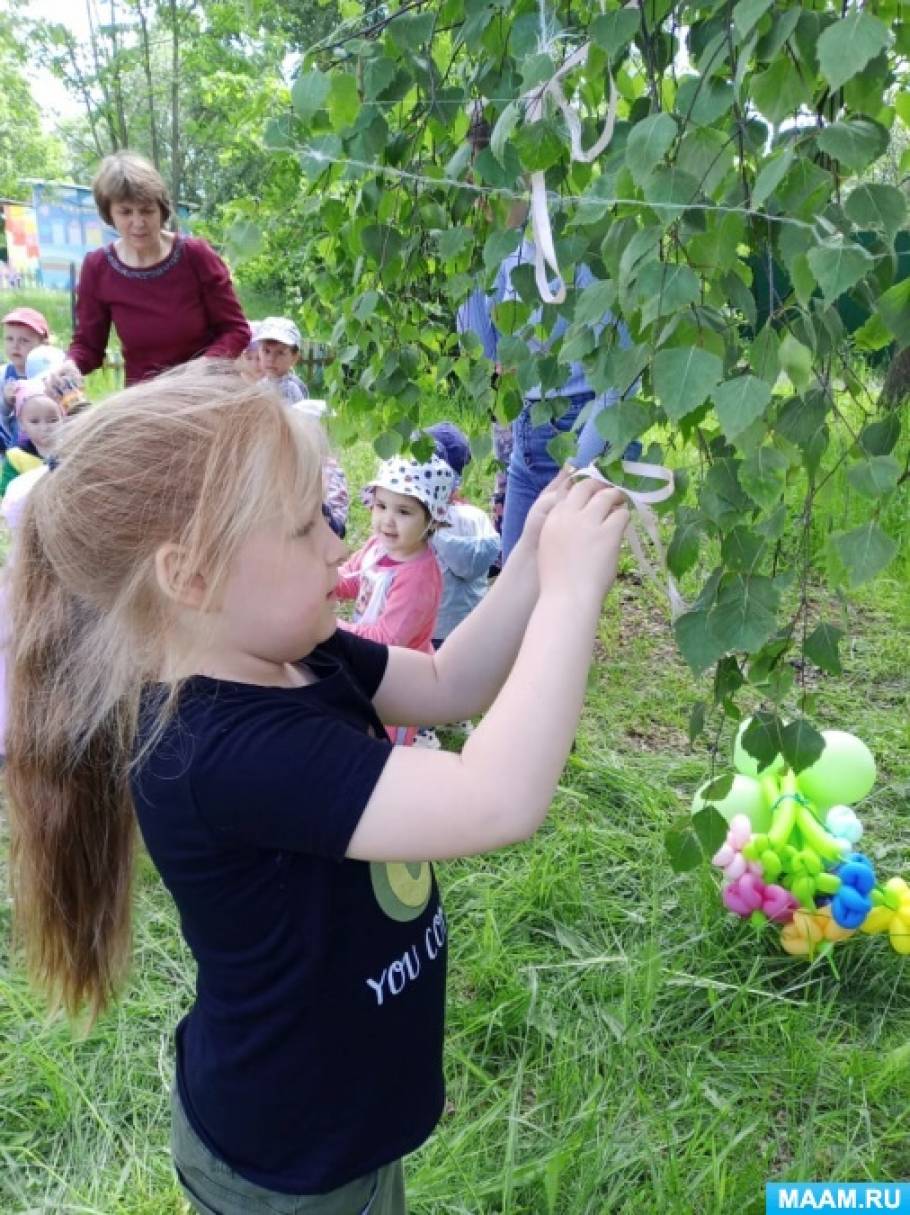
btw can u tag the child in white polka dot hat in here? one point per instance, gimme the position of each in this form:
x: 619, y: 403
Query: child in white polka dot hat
x: 395, y: 578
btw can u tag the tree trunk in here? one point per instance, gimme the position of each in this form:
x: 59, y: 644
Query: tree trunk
x: 149, y: 91
x: 107, y: 105
x: 122, y: 125
x: 175, y: 111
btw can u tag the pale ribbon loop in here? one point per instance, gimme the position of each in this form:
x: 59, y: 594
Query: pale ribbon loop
x: 544, y: 250
x: 641, y: 500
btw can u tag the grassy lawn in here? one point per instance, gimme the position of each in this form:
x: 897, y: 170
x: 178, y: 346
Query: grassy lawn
x: 616, y: 1044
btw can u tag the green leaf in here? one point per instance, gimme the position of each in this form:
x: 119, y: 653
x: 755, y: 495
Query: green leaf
x: 780, y: 91
x: 874, y: 476
x: 795, y: 361
x: 763, y: 475
x: 762, y: 738
x: 388, y: 444
x: 309, y: 92
x: 864, y: 552
x: 320, y: 153
x: 801, y: 744
x: 665, y: 288
x: 837, y: 265
x: 453, y: 241
x: 696, y: 642
x: 613, y: 31
x: 773, y: 171
x: 746, y: 14
x: 594, y: 302
x: 821, y: 648
x: 803, y: 279
x: 277, y: 135
x: 684, y: 547
x: 764, y: 355
x: 707, y: 154
x: 880, y: 438
x: 728, y: 679
x: 856, y: 142
x: 872, y: 334
x: 538, y: 146
x: 801, y: 419
x: 683, y: 378
x: 621, y: 423
x: 743, y: 550
x: 412, y: 31
x: 711, y: 828
x: 702, y: 101
x: 378, y: 74
x: 366, y: 305
x: 740, y: 402
x: 874, y: 205
x: 697, y: 720
x: 846, y: 46
x: 343, y: 101
x: 722, y: 497
x: 381, y: 242
x: 745, y: 614
x: 498, y: 245
x: 894, y: 309
x: 684, y: 852
x: 648, y: 143
x: 506, y: 123
x: 718, y: 788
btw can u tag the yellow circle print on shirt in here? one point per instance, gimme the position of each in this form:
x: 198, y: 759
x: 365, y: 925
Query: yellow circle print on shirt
x: 402, y: 888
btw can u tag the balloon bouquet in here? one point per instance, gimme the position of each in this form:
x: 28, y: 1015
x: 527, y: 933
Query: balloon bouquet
x: 790, y: 854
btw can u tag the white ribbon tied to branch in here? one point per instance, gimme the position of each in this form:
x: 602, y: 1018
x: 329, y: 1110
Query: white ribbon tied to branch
x: 534, y: 99
x: 545, y: 256
x: 641, y: 501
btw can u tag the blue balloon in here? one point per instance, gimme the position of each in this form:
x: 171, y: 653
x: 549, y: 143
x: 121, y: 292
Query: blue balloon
x: 851, y: 904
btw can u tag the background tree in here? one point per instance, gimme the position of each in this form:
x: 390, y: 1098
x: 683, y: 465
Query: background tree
x: 186, y: 84
x: 25, y: 150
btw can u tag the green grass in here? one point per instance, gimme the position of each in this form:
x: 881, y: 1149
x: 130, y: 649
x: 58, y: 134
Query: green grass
x: 615, y: 1043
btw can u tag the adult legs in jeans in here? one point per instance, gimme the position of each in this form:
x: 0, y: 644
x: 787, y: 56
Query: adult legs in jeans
x: 531, y: 470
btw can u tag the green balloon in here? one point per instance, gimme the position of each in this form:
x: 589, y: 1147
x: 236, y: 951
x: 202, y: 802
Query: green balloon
x: 745, y: 797
x: 747, y: 764
x: 844, y: 772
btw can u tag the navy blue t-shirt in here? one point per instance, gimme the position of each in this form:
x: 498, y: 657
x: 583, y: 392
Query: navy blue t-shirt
x: 313, y: 1052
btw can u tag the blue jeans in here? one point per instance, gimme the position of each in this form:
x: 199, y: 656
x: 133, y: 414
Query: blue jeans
x: 532, y: 468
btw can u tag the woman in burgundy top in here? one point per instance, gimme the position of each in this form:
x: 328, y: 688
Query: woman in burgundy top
x: 168, y: 296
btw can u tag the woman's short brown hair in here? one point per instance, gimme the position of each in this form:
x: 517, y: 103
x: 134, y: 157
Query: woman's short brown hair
x: 124, y: 176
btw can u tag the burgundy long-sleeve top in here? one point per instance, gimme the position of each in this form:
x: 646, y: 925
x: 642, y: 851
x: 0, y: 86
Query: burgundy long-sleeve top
x: 164, y: 314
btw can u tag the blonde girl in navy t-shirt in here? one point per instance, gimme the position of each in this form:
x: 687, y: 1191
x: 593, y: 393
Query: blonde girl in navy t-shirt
x: 175, y: 576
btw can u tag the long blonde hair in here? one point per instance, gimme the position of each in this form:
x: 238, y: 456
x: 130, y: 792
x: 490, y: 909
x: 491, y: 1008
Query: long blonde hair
x: 196, y: 457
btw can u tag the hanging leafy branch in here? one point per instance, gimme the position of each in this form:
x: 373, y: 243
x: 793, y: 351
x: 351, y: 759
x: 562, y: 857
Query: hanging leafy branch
x: 731, y: 222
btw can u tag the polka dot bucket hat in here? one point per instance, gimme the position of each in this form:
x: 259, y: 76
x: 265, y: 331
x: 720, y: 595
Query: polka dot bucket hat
x: 430, y: 482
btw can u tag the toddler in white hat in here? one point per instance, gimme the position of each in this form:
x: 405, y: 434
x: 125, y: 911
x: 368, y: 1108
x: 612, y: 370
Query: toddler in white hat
x: 395, y: 578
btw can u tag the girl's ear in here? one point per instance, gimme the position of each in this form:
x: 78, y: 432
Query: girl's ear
x: 176, y: 579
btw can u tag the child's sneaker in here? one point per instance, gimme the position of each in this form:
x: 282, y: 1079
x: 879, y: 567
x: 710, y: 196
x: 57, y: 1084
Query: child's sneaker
x: 428, y: 739
x: 465, y: 728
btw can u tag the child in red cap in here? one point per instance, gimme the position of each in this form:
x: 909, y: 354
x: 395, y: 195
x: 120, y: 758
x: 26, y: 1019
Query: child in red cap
x: 23, y: 330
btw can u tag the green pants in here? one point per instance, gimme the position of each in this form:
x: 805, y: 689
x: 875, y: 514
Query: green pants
x: 213, y: 1188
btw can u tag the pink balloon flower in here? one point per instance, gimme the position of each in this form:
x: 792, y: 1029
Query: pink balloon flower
x: 729, y: 856
x: 749, y: 893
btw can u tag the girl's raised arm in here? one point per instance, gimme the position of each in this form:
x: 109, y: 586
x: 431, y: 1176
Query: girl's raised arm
x: 432, y: 805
